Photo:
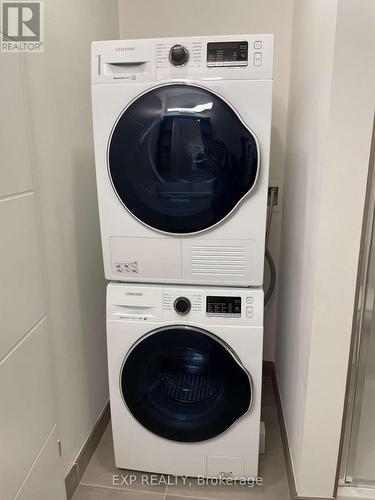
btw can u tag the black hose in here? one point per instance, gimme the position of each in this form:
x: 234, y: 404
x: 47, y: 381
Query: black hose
x: 272, y: 283
x: 268, y: 256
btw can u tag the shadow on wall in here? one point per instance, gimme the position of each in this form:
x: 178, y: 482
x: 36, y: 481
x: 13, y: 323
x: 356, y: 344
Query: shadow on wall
x: 270, y: 313
x: 89, y: 267
x: 295, y: 262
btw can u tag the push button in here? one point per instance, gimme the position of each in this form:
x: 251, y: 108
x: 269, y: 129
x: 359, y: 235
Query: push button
x: 258, y: 44
x: 249, y: 300
x: 249, y: 312
x: 257, y: 59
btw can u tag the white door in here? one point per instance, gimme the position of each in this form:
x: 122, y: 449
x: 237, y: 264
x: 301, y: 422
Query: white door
x: 29, y: 458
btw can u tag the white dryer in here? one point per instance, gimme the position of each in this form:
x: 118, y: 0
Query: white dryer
x: 182, y: 137
x: 185, y: 368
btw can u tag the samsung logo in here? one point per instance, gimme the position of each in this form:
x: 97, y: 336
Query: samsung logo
x: 124, y: 49
x: 135, y: 294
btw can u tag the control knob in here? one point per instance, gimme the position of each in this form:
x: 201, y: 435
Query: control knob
x: 182, y: 305
x: 178, y: 55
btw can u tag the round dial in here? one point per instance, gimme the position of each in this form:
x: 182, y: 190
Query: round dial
x: 178, y: 55
x: 182, y: 305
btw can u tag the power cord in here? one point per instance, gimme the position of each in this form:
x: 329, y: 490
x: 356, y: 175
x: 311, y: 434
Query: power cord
x: 268, y: 256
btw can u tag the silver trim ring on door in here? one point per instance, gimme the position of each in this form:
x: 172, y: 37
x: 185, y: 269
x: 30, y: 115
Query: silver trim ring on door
x: 203, y: 332
x: 238, y: 116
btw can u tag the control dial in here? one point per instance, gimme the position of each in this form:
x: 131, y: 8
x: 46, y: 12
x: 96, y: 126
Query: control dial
x: 182, y: 305
x: 178, y: 55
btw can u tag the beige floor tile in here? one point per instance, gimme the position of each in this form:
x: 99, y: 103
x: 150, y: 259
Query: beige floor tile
x: 272, y: 465
x: 271, y: 470
x: 250, y: 494
x: 268, y: 397
x: 273, y: 436
x: 270, y: 490
x: 95, y: 493
x: 102, y: 471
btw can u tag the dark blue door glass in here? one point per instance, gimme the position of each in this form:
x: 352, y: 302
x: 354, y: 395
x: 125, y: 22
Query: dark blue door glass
x: 182, y: 384
x: 180, y: 159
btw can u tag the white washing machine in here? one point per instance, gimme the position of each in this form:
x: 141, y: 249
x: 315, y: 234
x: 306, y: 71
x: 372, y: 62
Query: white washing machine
x: 185, y: 368
x: 182, y: 136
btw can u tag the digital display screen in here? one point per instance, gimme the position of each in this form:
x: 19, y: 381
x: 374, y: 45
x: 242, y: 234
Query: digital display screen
x: 223, y: 306
x: 221, y: 54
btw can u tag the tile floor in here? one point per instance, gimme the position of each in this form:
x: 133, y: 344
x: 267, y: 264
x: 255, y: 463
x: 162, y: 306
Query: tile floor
x: 97, y: 482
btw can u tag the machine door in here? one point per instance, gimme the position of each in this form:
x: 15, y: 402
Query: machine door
x: 185, y: 384
x: 180, y: 159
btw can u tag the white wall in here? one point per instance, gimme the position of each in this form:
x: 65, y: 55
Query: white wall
x: 28, y: 432
x: 58, y: 83
x: 142, y: 19
x: 329, y: 128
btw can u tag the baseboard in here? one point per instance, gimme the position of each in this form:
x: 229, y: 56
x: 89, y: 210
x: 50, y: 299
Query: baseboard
x: 269, y: 368
x: 77, y: 470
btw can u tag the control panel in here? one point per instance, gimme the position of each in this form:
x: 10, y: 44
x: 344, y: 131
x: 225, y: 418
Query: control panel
x: 228, y: 57
x: 193, y: 304
x: 221, y: 57
x: 221, y: 54
x: 149, y: 303
x: 223, y: 306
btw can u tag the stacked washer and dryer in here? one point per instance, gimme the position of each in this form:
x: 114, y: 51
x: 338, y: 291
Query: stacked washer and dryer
x: 182, y: 136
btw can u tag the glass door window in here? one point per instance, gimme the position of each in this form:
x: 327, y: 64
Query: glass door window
x: 184, y: 384
x: 180, y: 159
